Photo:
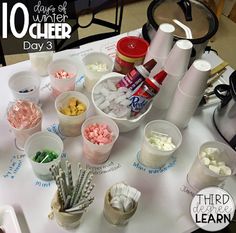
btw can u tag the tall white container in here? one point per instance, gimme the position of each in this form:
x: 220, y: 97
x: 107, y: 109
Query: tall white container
x: 175, y: 66
x: 160, y: 47
x: 189, y: 93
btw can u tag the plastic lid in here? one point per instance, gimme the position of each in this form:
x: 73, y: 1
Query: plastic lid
x: 132, y: 46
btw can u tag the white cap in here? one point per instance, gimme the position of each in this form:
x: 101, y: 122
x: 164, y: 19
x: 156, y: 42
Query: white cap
x: 178, y: 59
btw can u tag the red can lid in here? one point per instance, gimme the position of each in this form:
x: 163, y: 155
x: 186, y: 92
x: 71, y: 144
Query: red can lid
x: 132, y: 46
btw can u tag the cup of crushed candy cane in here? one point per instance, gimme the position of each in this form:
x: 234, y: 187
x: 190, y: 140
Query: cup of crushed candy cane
x: 25, y: 119
x: 99, y: 135
x: 62, y: 74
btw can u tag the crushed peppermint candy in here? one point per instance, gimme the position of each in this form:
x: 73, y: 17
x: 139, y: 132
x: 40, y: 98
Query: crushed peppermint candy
x: 62, y: 74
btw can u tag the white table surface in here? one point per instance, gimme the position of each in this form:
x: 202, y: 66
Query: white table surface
x: 165, y: 200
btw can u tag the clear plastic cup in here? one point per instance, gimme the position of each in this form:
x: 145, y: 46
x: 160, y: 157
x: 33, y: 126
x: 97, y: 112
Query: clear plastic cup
x: 21, y: 135
x: 94, y: 153
x: 150, y: 155
x: 40, y: 61
x: 70, y: 126
x: 62, y: 85
x: 200, y: 176
x: 25, y: 80
x: 39, y: 142
x: 92, y: 76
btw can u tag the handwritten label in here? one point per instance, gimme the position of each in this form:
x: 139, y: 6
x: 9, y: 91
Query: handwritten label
x: 105, y: 168
x: 46, y: 86
x: 187, y: 190
x: 14, y: 167
x: 42, y: 184
x: 55, y: 129
x: 138, y: 165
x: 80, y: 80
x: 79, y: 83
x: 63, y: 155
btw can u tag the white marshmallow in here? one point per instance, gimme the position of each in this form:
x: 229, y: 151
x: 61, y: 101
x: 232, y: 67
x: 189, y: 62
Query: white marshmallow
x: 221, y: 163
x: 212, y: 152
x: 161, y: 142
x: 203, y: 154
x: 213, y: 162
x: 206, y: 161
x: 225, y: 170
x: 214, y: 169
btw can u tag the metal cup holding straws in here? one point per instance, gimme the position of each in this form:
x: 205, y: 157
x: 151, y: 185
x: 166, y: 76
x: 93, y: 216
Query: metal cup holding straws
x: 71, y: 199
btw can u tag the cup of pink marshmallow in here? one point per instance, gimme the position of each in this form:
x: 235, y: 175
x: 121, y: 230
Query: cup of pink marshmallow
x: 99, y: 135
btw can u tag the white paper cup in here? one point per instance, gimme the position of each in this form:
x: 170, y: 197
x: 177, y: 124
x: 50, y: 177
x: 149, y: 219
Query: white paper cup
x: 40, y: 61
x: 178, y: 59
x: 39, y: 142
x: 163, y: 99
x: 162, y: 42
x: 91, y: 76
x: 194, y: 81
x: 62, y: 85
x: 25, y: 80
x: 70, y: 126
x: 200, y: 176
x: 188, y: 106
x: 94, y: 153
x: 150, y: 155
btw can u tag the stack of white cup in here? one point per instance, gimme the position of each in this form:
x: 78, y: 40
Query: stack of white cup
x: 189, y: 93
x: 175, y: 66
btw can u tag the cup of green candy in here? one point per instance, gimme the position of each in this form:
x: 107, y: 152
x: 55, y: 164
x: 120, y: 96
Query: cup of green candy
x: 43, y: 149
x: 45, y: 156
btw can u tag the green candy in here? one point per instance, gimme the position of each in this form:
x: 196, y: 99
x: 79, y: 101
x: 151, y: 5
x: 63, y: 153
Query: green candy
x: 36, y: 156
x: 45, y: 156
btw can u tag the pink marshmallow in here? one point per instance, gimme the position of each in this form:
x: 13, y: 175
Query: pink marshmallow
x: 98, y: 134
